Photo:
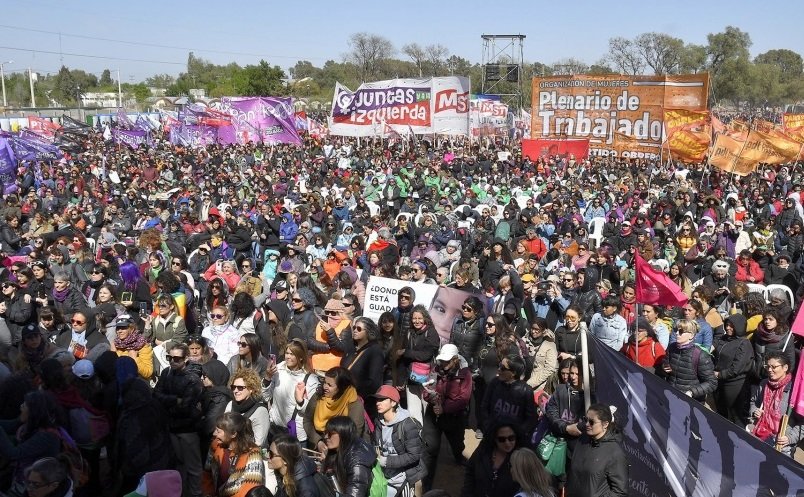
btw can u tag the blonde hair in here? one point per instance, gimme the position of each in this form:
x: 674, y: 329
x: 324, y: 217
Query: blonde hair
x: 250, y: 378
x: 687, y: 326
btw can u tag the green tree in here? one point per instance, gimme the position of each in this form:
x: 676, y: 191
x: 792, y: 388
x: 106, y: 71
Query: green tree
x: 692, y: 59
x: 106, y: 78
x: 65, y: 88
x: 304, y: 69
x: 732, y: 44
x: 789, y: 63
x: 661, y: 52
x: 160, y: 80
x: 260, y: 80
x: 624, y: 55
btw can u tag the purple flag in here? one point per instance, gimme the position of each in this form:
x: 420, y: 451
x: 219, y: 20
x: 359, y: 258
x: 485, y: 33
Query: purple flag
x: 193, y: 136
x: 8, y: 167
x: 123, y: 121
x: 268, y: 120
x: 131, y: 138
x: 27, y: 147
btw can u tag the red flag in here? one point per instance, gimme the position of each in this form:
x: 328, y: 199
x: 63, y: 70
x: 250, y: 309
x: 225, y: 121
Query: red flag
x: 655, y: 287
x: 43, y: 126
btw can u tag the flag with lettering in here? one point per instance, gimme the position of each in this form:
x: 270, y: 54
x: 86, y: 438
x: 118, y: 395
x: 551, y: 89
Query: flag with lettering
x: 8, y: 167
x: 655, y: 287
x: 43, y: 126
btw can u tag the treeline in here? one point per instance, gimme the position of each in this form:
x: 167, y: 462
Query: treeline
x: 772, y: 78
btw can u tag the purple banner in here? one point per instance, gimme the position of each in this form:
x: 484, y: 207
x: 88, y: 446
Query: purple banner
x: 28, y: 147
x: 123, y: 120
x: 8, y: 167
x: 193, y: 136
x: 130, y: 138
x: 268, y: 120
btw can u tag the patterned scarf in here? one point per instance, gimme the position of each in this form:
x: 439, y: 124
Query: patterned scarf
x: 134, y: 341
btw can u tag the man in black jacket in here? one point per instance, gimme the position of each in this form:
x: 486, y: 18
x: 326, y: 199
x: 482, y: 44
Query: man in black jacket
x: 179, y: 392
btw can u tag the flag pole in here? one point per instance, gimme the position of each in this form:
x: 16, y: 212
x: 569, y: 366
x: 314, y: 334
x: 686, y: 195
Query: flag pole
x: 587, y: 393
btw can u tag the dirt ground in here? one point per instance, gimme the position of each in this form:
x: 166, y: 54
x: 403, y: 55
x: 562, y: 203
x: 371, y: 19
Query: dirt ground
x: 449, y: 476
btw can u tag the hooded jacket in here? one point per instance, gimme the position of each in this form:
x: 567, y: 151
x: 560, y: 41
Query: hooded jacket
x: 401, y: 447
x: 599, y: 467
x: 215, y: 398
x: 734, y: 354
x: 288, y: 229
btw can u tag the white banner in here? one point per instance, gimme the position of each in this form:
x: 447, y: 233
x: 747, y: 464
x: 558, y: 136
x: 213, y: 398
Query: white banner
x: 422, y: 106
x: 488, y: 117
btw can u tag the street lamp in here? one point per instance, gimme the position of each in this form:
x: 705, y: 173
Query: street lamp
x: 3, y: 79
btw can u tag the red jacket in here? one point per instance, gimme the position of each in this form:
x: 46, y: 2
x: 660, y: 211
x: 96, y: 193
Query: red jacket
x: 455, y: 391
x: 535, y: 246
x: 651, y: 352
x: 744, y: 271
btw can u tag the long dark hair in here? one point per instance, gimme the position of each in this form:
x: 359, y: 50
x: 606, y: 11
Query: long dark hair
x: 254, y: 349
x: 490, y: 438
x: 236, y: 423
x: 343, y: 379
x: 43, y: 413
x: 347, y: 435
x: 289, y: 449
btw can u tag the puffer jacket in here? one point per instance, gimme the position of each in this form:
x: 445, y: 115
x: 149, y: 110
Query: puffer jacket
x: 303, y: 475
x: 179, y: 392
x: 467, y: 336
x: 686, y: 376
x: 599, y: 468
x: 359, y: 459
x: 406, y: 439
x: 590, y: 303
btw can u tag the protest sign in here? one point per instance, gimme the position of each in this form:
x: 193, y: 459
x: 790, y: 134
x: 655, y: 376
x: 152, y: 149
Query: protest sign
x: 381, y: 295
x: 598, y: 107
x: 423, y: 106
x: 488, y: 117
x: 677, y: 447
x: 268, y: 120
x: 131, y: 138
x: 543, y: 147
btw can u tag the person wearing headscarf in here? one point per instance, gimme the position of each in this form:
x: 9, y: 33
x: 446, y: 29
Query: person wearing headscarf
x: 130, y: 342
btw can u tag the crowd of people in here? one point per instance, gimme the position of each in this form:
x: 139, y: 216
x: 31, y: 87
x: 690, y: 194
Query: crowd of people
x: 193, y: 318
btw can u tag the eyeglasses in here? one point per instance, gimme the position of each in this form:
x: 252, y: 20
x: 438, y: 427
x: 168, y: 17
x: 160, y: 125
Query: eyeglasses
x: 509, y: 438
x: 294, y: 299
x: 175, y: 263
x: 242, y: 344
x: 238, y: 388
x: 406, y: 297
x: 489, y: 325
x: 569, y: 279
x: 216, y: 316
x: 77, y: 321
x: 773, y: 366
x: 174, y: 358
x: 359, y: 328
x: 272, y: 454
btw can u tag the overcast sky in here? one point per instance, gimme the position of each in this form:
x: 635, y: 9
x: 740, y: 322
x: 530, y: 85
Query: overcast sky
x: 145, y: 37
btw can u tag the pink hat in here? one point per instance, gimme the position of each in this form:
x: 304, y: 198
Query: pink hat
x: 387, y: 392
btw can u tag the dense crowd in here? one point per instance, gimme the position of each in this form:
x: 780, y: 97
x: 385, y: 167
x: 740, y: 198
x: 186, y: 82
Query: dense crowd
x: 192, y: 318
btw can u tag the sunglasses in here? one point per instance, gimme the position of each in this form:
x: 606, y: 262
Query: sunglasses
x: 216, y: 287
x: 242, y: 344
x: 347, y: 304
x: 216, y: 316
x: 331, y: 313
x: 467, y: 308
x: 489, y: 325
x: 246, y: 266
x: 359, y: 328
x: 77, y: 321
x: 238, y: 388
x: 294, y: 299
x: 509, y: 438
x: 176, y: 263
x: 174, y: 358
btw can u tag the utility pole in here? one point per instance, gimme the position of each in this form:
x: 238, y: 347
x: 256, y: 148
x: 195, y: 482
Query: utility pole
x: 30, y: 82
x: 119, y: 91
x: 3, y: 79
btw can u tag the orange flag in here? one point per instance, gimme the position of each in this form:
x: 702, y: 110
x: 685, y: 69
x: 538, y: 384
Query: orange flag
x: 689, y: 134
x: 727, y: 155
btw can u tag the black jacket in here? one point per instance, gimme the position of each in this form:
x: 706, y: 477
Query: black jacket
x: 480, y: 481
x: 304, y: 476
x: 686, y: 375
x: 179, y: 392
x: 734, y: 355
x: 93, y: 336
x: 762, y: 347
x: 420, y: 347
x: 599, y: 468
x: 143, y: 441
x: 359, y: 459
x: 510, y: 400
x: 467, y: 336
x: 18, y: 314
x: 367, y: 365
